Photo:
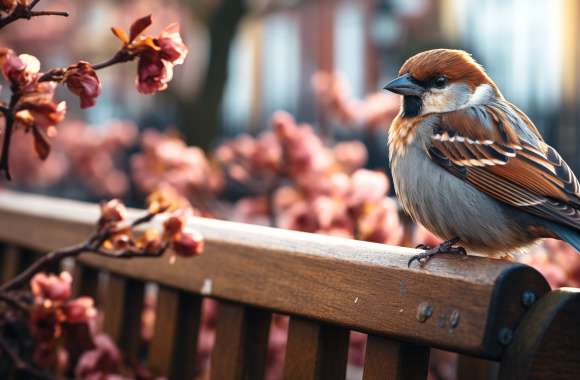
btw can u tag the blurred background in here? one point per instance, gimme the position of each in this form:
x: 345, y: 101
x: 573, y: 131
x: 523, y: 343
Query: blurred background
x: 250, y: 58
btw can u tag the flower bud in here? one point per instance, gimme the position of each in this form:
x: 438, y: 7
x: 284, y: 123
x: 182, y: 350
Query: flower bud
x: 82, y: 80
x: 188, y: 243
x: 111, y: 212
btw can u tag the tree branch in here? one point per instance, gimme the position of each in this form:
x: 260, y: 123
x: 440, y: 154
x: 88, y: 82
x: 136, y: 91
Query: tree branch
x: 9, y: 125
x: 91, y: 245
x: 14, y: 302
x: 20, y: 364
x: 26, y: 12
x: 43, y: 262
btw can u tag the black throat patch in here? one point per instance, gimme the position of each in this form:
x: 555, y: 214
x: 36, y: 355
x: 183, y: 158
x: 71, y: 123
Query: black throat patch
x: 411, y: 106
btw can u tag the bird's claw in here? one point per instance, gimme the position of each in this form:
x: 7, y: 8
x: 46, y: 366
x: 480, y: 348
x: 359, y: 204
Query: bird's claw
x: 445, y: 247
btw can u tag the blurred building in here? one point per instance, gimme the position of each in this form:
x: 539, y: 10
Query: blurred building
x: 528, y: 47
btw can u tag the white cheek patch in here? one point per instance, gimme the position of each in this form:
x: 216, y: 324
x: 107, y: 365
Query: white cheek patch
x: 482, y: 94
x: 454, y: 97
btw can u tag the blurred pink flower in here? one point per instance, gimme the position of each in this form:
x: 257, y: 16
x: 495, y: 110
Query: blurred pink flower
x: 304, y: 153
x: 27, y: 170
x: 166, y: 159
x: 376, y: 111
x: 380, y: 223
x: 79, y: 310
x: 101, y: 363
x: 367, y: 186
x: 92, y: 154
x: 350, y: 155
x: 254, y: 210
x: 557, y: 261
x: 51, y: 287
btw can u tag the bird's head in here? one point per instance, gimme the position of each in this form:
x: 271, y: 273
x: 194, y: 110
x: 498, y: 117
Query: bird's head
x: 441, y: 80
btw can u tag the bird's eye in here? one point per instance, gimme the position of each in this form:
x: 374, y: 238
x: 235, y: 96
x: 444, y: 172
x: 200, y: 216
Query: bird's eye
x: 440, y: 81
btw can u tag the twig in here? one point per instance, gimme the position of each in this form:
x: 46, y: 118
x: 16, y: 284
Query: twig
x: 20, y: 364
x: 9, y: 125
x: 14, y: 302
x: 121, y: 56
x: 26, y: 12
x: 130, y: 253
x: 92, y: 245
x: 54, y: 75
x: 41, y: 263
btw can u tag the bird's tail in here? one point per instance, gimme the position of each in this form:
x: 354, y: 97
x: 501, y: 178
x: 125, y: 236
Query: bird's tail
x: 569, y: 235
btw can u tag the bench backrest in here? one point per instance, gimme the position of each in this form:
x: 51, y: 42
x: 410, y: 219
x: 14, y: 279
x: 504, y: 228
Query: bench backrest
x: 491, y: 309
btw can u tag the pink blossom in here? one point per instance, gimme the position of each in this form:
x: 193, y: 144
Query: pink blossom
x: 367, y: 186
x: 51, y: 287
x: 79, y: 310
x: 81, y: 79
x: 380, y: 223
x: 103, y: 362
x: 254, y: 210
x: 172, y: 47
x: 153, y: 73
x: 350, y: 155
x: 188, y: 243
x: 112, y: 212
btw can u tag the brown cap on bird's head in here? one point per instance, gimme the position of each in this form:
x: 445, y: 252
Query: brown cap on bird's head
x: 455, y: 65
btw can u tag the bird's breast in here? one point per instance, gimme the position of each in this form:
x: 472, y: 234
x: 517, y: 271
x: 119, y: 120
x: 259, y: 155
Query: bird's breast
x: 448, y: 206
x: 401, y: 135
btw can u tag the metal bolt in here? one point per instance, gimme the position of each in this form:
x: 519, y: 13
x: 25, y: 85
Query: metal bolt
x: 505, y: 336
x: 528, y: 298
x: 424, y: 311
x: 454, y: 319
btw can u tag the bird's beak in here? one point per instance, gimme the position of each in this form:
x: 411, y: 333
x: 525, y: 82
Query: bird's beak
x: 405, y: 85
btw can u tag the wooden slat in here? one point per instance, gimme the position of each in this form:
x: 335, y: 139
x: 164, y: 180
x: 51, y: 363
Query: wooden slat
x: 315, y: 351
x: 359, y: 285
x: 9, y: 260
x: 387, y: 359
x: 123, y: 308
x: 241, y: 343
x: 27, y: 257
x: 174, y: 346
x: 470, y: 368
x: 85, y: 281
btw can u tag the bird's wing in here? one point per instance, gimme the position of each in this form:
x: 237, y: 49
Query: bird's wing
x: 529, y: 175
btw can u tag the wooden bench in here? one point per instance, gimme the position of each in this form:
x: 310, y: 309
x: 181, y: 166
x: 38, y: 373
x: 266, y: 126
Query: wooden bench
x: 484, y: 309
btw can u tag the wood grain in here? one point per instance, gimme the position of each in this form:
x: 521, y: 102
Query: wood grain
x: 546, y: 344
x: 315, y: 351
x: 123, y: 309
x: 174, y: 346
x: 387, y: 359
x: 471, y: 368
x: 354, y: 284
x: 241, y: 343
x: 9, y: 258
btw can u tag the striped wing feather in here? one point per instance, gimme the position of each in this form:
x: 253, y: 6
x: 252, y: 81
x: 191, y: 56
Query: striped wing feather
x: 531, y: 177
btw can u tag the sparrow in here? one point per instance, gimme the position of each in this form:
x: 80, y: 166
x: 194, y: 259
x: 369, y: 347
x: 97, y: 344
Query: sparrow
x: 471, y: 166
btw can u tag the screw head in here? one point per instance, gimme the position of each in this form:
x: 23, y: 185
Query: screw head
x: 528, y: 298
x: 454, y: 319
x: 424, y: 311
x: 505, y: 336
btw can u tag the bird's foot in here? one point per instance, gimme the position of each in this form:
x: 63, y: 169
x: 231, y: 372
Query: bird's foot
x: 429, y: 252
